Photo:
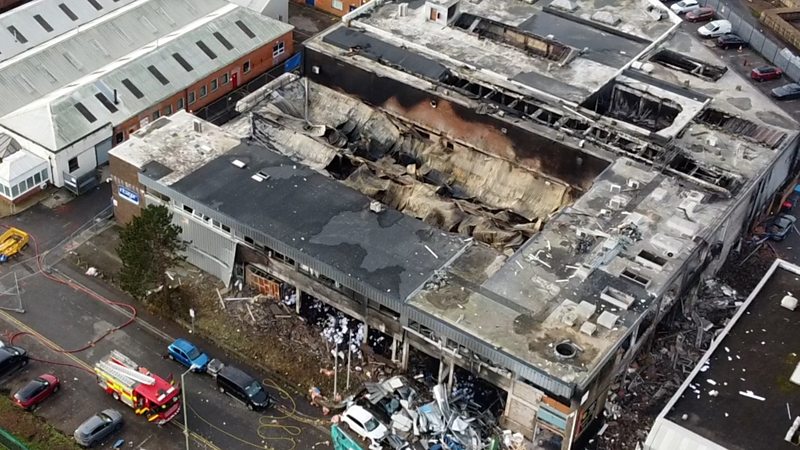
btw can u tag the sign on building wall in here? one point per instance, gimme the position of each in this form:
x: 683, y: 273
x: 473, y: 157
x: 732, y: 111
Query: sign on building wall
x: 129, y: 195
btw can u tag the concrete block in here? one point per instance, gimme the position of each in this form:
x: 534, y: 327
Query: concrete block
x: 607, y: 319
x: 789, y: 302
x: 585, y: 310
x: 588, y: 328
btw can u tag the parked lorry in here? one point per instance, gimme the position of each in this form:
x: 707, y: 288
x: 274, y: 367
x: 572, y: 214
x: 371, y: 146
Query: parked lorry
x: 145, y: 392
x: 12, y: 242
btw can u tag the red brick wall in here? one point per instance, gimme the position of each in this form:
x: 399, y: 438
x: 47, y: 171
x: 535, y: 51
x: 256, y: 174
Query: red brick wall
x: 327, y: 6
x: 261, y: 60
x: 124, y: 211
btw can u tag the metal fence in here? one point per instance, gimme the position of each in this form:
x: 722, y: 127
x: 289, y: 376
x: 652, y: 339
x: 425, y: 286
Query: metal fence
x: 8, y: 441
x: 772, y: 51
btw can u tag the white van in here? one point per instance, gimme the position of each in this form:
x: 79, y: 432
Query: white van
x: 715, y: 28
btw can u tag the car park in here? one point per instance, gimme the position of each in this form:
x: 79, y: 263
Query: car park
x: 715, y: 28
x: 789, y: 91
x: 98, y: 428
x: 238, y: 384
x: 766, y: 73
x: 11, y: 360
x: 730, y: 40
x: 36, y: 391
x: 188, y: 354
x: 363, y: 423
x: 684, y: 6
x: 700, y: 14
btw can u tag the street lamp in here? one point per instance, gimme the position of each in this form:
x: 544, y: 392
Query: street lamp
x: 183, y: 400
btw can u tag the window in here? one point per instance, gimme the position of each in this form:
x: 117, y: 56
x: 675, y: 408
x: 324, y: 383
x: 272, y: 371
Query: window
x: 132, y: 87
x: 278, y: 49
x: 245, y: 30
x: 96, y: 5
x: 226, y: 228
x: 85, y: 112
x: 191, y: 97
x: 246, y: 67
x: 214, y: 85
x: 203, y: 91
x: 181, y: 105
x: 337, y: 4
x: 73, y: 164
x: 159, y: 76
x: 14, y: 191
x: 206, y: 50
x: 37, y: 178
x: 68, y: 12
x: 43, y: 23
x: 19, y: 37
x: 222, y: 40
x: 168, y: 110
x: 156, y: 114
x: 225, y: 78
x: 29, y: 181
x: 185, y: 64
x: 45, y: 175
x: 6, y: 190
x: 119, y: 137
x: 106, y: 102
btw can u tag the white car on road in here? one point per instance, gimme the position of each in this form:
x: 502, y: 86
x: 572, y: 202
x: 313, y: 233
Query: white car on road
x: 684, y: 6
x: 715, y: 28
x: 363, y: 423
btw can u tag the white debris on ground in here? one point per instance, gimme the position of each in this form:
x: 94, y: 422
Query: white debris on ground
x: 642, y: 391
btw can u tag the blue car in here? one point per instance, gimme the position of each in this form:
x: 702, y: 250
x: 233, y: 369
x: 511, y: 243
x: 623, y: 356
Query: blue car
x: 187, y: 354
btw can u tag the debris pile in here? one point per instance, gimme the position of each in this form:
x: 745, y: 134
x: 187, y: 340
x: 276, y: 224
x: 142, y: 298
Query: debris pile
x: 641, y: 392
x: 435, y: 419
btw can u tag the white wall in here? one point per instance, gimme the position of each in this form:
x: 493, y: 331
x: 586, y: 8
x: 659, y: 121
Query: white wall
x: 277, y: 9
x: 59, y: 162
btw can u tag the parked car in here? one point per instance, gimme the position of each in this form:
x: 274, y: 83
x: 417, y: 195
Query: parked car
x: 11, y: 360
x: 789, y: 91
x: 36, y: 391
x: 98, y: 428
x: 684, y: 6
x: 188, y: 354
x: 364, y: 423
x: 778, y: 227
x: 243, y: 387
x: 715, y: 28
x: 727, y: 41
x: 766, y: 73
x: 700, y: 14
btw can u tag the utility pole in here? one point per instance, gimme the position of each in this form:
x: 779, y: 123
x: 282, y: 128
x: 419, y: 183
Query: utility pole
x: 185, y: 410
x: 349, y: 351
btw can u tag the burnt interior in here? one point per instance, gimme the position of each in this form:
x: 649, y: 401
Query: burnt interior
x: 689, y: 65
x: 633, y: 106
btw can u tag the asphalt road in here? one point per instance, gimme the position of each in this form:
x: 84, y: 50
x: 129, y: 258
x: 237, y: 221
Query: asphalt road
x: 63, y: 317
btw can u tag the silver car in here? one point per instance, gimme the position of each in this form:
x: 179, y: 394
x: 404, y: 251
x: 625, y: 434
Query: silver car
x: 97, y: 428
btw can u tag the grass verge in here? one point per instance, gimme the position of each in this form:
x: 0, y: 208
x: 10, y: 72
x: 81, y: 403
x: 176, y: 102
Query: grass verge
x: 32, y: 430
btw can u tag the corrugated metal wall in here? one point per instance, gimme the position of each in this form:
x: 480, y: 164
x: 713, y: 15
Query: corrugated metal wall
x: 208, y: 249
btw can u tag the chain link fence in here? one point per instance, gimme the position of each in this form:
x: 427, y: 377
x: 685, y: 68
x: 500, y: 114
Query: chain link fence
x: 773, y: 52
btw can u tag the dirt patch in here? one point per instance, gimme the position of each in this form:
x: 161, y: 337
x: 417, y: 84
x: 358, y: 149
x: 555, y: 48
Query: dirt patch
x: 30, y: 429
x: 261, y: 331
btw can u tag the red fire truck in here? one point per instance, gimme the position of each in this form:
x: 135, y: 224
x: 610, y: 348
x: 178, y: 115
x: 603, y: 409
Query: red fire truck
x: 145, y: 392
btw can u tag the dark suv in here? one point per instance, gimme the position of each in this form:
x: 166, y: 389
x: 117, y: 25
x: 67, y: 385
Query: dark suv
x: 11, y: 360
x: 243, y: 387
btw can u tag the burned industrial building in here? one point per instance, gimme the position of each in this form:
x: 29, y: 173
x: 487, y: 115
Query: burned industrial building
x: 518, y: 190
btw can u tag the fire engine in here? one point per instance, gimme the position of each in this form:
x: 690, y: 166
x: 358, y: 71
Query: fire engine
x: 145, y: 392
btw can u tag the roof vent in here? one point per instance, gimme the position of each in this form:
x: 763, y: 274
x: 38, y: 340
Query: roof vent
x: 376, y: 206
x: 238, y: 164
x: 566, y: 350
x: 198, y: 127
x: 260, y: 176
x: 402, y: 10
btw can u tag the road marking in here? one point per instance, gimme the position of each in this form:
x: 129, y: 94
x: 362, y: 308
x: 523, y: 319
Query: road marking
x: 8, y: 317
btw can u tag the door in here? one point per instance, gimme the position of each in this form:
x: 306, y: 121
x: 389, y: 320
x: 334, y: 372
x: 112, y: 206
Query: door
x: 235, y: 78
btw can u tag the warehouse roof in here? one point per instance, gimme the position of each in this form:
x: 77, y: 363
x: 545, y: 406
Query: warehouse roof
x: 740, y: 394
x: 61, y: 62
x: 35, y: 23
x: 144, y: 77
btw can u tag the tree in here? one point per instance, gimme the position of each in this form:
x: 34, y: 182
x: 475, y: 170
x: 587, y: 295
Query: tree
x: 149, y: 245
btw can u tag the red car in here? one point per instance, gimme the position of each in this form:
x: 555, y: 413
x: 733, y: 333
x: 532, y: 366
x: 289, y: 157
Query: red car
x: 700, y: 15
x: 765, y: 73
x: 36, y: 391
